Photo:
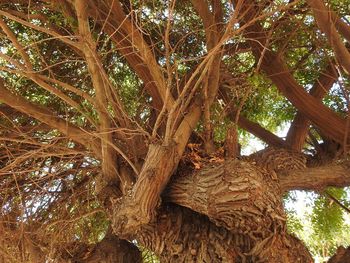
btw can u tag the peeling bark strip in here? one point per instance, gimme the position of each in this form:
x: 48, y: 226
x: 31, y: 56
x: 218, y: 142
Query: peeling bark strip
x: 138, y: 208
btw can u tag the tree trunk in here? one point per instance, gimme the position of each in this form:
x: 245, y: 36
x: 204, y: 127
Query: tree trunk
x: 246, y: 200
x: 242, y: 218
x: 180, y: 235
x: 342, y: 255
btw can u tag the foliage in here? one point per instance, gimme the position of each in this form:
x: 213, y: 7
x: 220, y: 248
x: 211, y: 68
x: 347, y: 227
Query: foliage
x: 323, y: 225
x: 83, y: 98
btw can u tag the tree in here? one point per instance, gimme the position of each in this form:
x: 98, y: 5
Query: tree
x: 119, y: 126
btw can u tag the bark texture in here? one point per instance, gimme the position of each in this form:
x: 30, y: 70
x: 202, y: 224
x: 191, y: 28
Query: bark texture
x: 341, y: 256
x: 229, y: 211
x: 334, y: 174
x: 235, y: 194
x: 245, y: 199
x: 138, y: 207
x: 179, y: 235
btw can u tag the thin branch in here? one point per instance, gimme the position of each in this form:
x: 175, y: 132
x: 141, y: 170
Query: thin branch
x: 65, y: 39
x: 48, y: 117
x: 335, y: 200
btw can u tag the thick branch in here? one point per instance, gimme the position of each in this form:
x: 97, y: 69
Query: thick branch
x: 138, y: 208
x: 325, y: 22
x: 318, y: 178
x: 224, y: 191
x: 131, y: 31
x: 202, y: 8
x: 180, y: 235
x: 101, y: 86
x: 342, y: 255
x: 277, y: 70
x: 252, y: 127
x: 342, y: 27
x: 242, y: 198
x: 299, y: 128
x: 260, y: 132
x: 323, y: 117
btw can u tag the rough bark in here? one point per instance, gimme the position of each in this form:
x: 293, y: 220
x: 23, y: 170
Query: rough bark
x: 231, y: 145
x: 341, y: 256
x: 278, y: 160
x: 180, y: 235
x: 244, y: 199
x: 235, y: 194
x: 239, y: 197
x: 317, y: 178
x: 138, y: 207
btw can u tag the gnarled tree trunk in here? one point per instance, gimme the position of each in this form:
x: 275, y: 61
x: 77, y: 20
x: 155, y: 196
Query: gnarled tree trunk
x: 244, y: 219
